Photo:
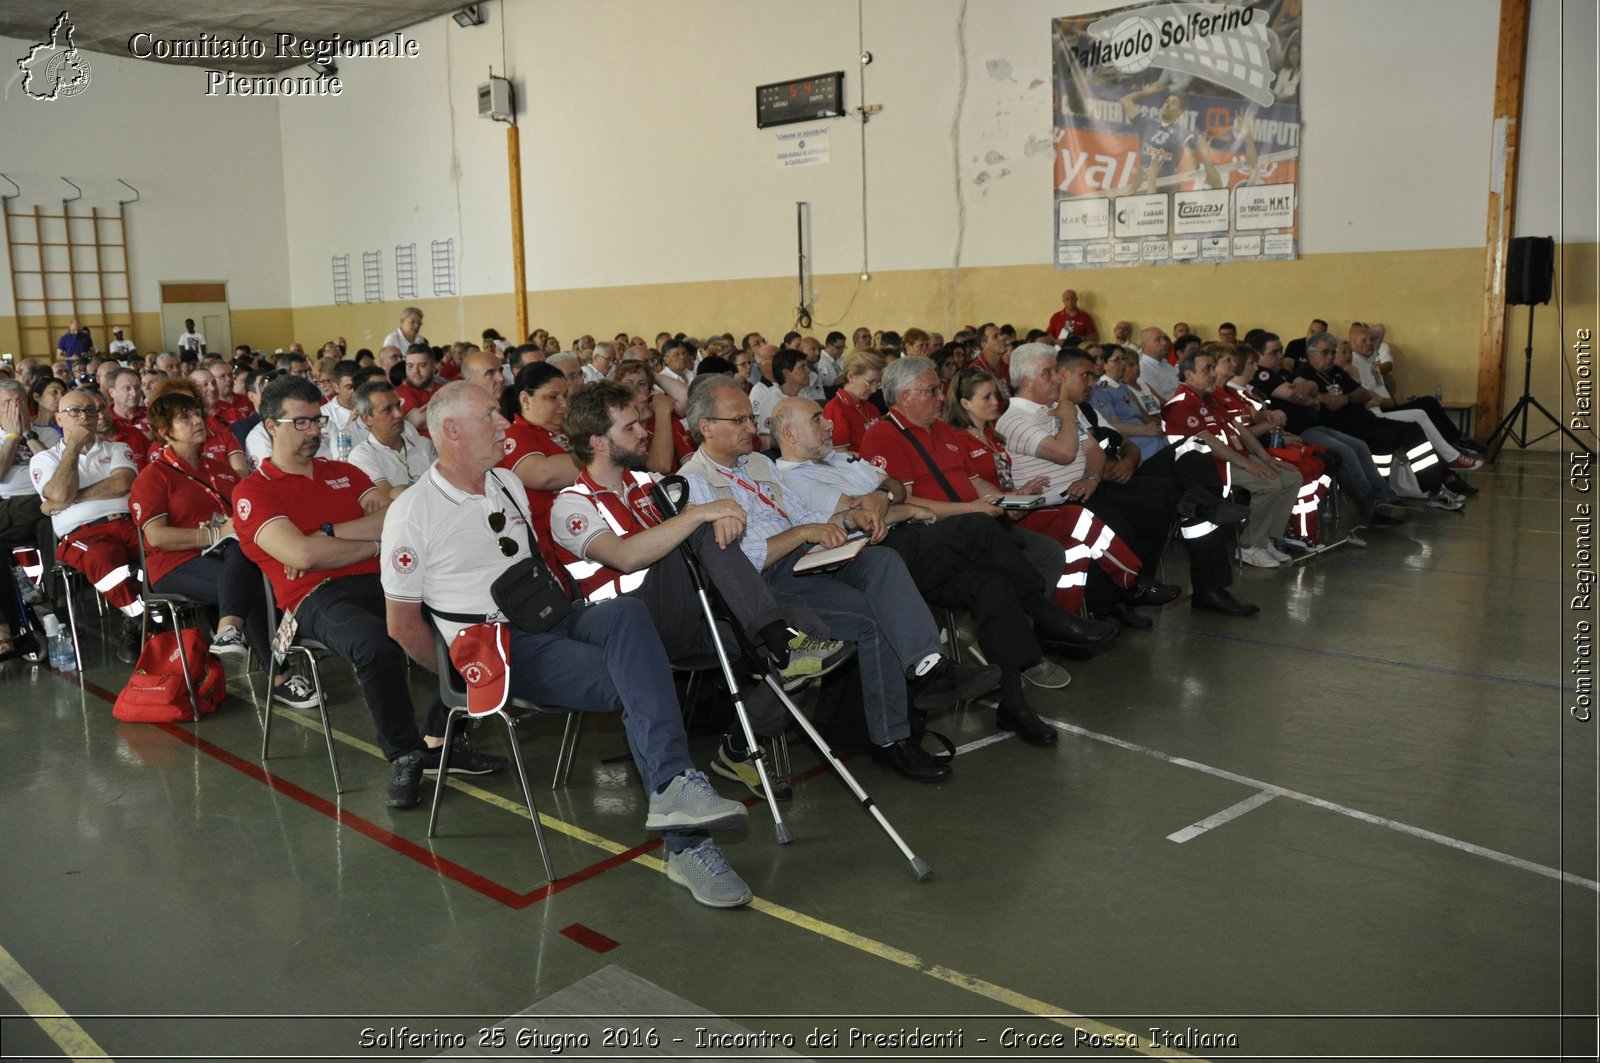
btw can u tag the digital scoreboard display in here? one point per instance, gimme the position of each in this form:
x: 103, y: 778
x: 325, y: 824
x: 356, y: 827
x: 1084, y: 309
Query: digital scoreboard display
x: 800, y: 100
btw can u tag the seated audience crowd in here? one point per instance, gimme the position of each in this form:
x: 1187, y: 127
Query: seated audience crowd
x: 1033, y: 486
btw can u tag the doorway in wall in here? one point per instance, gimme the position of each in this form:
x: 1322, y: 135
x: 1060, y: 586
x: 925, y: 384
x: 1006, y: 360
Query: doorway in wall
x: 206, y: 302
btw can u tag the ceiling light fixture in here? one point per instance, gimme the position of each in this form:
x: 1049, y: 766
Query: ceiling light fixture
x: 469, y: 16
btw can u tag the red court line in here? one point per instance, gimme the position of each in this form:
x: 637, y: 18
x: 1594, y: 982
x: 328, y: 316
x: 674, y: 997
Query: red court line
x: 589, y: 939
x: 405, y: 847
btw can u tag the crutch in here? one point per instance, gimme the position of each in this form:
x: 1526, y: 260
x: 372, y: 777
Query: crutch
x: 670, y: 493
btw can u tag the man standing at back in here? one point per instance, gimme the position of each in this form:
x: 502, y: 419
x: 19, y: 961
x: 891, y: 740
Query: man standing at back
x: 409, y: 332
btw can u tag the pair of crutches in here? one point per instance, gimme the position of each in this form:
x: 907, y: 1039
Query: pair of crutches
x: 671, y: 494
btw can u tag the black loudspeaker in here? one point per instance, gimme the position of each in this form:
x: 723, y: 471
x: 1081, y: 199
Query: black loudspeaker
x: 1530, y: 267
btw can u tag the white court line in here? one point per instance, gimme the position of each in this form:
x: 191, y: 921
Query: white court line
x: 981, y: 742
x: 1343, y: 810
x: 1194, y: 830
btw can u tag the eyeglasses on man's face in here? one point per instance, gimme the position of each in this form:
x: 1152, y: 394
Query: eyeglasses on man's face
x: 301, y: 424
x: 747, y: 420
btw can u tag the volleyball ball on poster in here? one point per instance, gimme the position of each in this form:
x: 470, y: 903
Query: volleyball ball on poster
x: 1133, y: 44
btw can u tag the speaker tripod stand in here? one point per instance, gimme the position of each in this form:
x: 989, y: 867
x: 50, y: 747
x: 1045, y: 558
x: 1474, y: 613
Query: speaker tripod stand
x: 1495, y: 441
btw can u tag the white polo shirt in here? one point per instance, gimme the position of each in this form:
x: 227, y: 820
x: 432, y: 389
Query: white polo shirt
x: 822, y: 484
x: 1025, y: 425
x: 97, y: 463
x: 764, y: 398
x: 398, y: 341
x: 438, y: 546
x: 340, y: 418
x: 399, y: 468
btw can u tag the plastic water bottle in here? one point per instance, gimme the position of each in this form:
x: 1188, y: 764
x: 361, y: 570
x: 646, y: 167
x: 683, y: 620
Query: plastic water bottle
x: 62, y: 659
x: 1275, y: 440
x: 343, y: 444
x: 1438, y: 393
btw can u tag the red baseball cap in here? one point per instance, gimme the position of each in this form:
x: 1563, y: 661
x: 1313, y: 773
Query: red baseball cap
x: 482, y: 654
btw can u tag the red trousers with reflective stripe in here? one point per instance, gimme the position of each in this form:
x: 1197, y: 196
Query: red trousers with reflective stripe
x: 1084, y: 537
x: 109, y: 555
x: 1307, y: 517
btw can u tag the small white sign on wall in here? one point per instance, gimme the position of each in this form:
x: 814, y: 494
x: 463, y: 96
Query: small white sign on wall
x: 808, y: 146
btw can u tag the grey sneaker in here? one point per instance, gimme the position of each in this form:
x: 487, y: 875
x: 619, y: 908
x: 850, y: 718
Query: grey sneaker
x: 708, y: 876
x: 1048, y: 674
x: 691, y: 803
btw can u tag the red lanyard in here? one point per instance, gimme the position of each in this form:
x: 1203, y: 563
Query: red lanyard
x: 208, y: 483
x: 755, y: 491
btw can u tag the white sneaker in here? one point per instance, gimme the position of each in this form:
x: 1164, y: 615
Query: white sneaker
x: 1278, y: 555
x: 1442, y: 499
x: 1257, y: 557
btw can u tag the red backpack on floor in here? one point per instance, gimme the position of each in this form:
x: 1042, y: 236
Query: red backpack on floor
x: 156, y: 692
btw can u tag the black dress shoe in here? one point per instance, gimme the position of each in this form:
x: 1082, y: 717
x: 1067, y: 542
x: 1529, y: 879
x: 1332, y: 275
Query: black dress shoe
x: 1460, y: 486
x: 1068, y: 629
x: 1126, y: 615
x: 1222, y: 602
x: 911, y: 761
x: 1148, y: 592
x: 947, y: 683
x: 1019, y: 718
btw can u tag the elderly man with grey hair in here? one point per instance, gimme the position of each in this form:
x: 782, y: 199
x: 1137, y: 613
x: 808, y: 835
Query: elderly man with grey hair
x: 570, y: 366
x: 871, y: 601
x: 448, y: 540
x: 409, y: 332
x: 600, y: 362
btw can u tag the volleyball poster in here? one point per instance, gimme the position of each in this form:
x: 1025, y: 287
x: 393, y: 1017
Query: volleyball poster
x: 1177, y: 134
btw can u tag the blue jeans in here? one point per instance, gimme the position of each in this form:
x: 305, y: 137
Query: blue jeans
x: 872, y: 602
x: 1357, y: 473
x: 608, y: 658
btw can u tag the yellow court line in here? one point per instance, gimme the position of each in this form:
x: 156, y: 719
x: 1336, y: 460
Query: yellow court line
x: 831, y: 931
x: 43, y: 1009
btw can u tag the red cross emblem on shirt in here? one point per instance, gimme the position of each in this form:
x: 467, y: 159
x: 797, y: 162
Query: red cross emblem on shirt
x: 404, y: 559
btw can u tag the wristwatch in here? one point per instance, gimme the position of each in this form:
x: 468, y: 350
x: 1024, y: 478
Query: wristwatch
x: 327, y: 529
x: 30, y: 436
x: 888, y: 492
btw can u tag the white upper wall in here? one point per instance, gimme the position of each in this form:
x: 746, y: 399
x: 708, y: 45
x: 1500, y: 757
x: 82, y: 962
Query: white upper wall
x: 209, y: 173
x: 642, y: 164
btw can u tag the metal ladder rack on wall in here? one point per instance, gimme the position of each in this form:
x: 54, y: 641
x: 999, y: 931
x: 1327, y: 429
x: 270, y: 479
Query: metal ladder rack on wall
x: 372, y: 276
x: 341, y: 279
x: 405, y: 271
x: 89, y: 250
x: 444, y: 267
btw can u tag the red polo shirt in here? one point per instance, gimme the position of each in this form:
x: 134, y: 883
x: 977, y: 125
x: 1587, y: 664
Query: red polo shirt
x: 1082, y: 323
x: 137, y: 441
x: 332, y: 494
x: 412, y: 397
x: 850, y: 417
x: 886, y: 446
x: 236, y: 408
x: 220, y: 442
x: 523, y: 439
x: 188, y: 497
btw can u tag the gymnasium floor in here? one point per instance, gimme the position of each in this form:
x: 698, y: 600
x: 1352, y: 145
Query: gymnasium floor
x: 1360, y: 824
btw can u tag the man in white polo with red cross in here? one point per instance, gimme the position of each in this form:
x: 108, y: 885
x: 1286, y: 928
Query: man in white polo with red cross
x: 464, y: 525
x: 84, y: 480
x: 612, y: 540
x: 304, y: 521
